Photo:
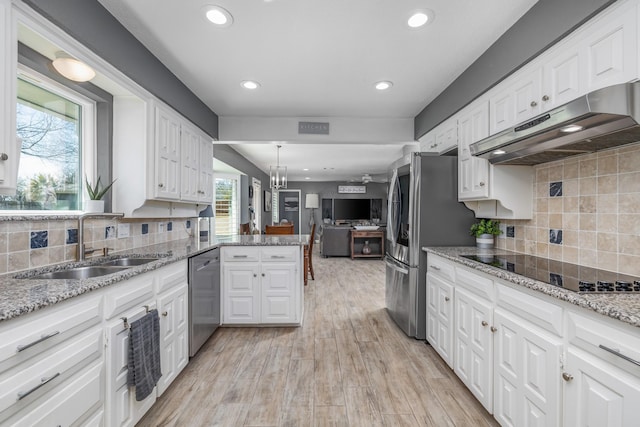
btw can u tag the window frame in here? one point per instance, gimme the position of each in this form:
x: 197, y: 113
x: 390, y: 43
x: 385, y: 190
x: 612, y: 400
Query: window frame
x: 88, y: 134
x: 237, y: 196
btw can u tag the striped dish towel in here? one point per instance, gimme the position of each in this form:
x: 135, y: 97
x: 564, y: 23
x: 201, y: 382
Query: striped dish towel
x: 144, y: 354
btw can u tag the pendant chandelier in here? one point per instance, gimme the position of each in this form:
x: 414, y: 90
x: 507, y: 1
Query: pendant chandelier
x: 278, y: 174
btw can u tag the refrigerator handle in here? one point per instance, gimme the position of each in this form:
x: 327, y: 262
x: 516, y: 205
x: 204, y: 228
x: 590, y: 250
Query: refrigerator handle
x: 393, y: 208
x: 395, y: 267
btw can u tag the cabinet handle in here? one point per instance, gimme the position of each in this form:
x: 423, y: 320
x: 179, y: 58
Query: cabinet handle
x: 447, y: 298
x: 42, y: 338
x: 481, y: 183
x: 161, y: 185
x: 164, y: 313
x: 435, y: 267
x: 484, y: 323
x: 4, y: 156
x: 277, y: 256
x: 617, y: 353
x: 43, y: 381
x: 240, y: 256
x: 545, y: 98
x: 567, y: 377
x: 534, y: 103
x: 494, y: 329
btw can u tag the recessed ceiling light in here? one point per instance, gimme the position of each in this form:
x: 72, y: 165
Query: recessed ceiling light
x: 250, y: 84
x: 384, y: 85
x: 305, y: 169
x: 72, y: 69
x: 218, y: 16
x: 420, y: 18
x: 499, y: 152
x: 307, y: 177
x: 571, y: 128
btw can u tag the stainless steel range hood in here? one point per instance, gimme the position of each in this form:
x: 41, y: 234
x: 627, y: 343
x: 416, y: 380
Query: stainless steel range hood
x: 605, y: 118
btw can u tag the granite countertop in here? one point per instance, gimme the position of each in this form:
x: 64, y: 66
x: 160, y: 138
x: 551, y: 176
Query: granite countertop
x: 623, y: 307
x: 20, y: 294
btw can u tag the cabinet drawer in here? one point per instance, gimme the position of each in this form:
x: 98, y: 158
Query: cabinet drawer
x: 280, y: 253
x: 475, y: 283
x: 129, y: 294
x: 240, y: 253
x: 73, y: 403
x: 46, y: 372
x: 541, y: 313
x: 440, y: 267
x: 589, y: 333
x: 34, y: 333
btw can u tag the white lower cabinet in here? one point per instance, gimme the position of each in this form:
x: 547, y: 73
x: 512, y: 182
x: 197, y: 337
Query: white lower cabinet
x: 440, y: 316
x: 174, y: 335
x: 261, y: 285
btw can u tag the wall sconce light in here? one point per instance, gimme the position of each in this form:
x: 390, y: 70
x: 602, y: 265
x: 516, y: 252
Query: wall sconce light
x: 72, y: 68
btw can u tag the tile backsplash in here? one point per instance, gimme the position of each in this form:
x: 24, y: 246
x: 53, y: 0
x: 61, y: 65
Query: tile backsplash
x: 30, y: 244
x: 586, y: 211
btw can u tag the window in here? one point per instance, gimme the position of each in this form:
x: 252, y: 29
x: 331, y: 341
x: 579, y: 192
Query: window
x: 227, y: 197
x: 53, y: 123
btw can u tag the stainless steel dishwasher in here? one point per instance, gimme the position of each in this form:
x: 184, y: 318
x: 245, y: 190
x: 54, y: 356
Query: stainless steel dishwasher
x: 204, y: 298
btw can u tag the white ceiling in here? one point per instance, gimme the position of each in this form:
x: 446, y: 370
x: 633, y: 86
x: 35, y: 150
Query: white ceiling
x: 318, y: 58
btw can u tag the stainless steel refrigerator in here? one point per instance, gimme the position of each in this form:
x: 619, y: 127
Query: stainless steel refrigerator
x: 423, y: 210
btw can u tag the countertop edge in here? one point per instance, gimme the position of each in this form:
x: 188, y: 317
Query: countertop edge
x: 44, y: 293
x: 610, y: 305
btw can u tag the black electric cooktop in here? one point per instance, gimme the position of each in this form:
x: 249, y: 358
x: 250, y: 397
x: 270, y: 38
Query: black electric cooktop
x: 573, y: 277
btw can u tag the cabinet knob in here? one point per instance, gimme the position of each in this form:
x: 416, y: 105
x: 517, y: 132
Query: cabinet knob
x: 494, y: 329
x: 481, y: 184
x: 164, y: 313
x: 534, y: 103
x: 545, y: 98
x: 567, y: 377
x: 4, y: 156
x: 484, y: 323
x: 255, y: 275
x: 161, y: 185
x: 447, y: 298
x: 262, y: 274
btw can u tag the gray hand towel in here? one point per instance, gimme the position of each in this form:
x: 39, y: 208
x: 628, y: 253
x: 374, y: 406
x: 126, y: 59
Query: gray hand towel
x: 144, y: 354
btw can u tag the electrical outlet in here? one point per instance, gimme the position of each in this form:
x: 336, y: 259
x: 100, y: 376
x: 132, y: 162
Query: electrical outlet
x: 124, y: 230
x: 161, y: 227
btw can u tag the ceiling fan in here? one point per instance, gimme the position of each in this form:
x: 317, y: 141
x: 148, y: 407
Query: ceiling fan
x: 368, y: 178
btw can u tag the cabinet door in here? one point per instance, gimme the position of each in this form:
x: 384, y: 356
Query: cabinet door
x: 473, y: 172
x: 241, y: 292
x: 611, y: 49
x: 205, y: 182
x: 446, y: 136
x: 563, y: 78
x: 173, y: 306
x: 474, y: 345
x: 190, y: 165
x: 428, y: 143
x: 167, y: 155
x: 526, y: 373
x: 517, y: 102
x: 599, y: 394
x: 278, y: 290
x: 441, y: 306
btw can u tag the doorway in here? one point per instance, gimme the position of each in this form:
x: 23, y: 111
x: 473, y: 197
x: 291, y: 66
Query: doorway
x: 289, y: 208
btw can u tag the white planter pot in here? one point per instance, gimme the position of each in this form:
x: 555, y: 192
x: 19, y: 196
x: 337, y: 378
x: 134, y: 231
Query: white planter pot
x: 94, y: 206
x: 485, y: 241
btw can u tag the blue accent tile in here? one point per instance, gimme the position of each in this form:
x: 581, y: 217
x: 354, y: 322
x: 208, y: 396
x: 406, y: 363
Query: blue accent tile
x: 72, y: 236
x: 555, y: 189
x: 169, y: 226
x: 145, y: 228
x: 555, y: 236
x: 188, y: 223
x: 110, y: 232
x: 39, y: 239
x: 511, y: 231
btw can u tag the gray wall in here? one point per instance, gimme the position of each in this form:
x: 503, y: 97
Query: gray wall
x: 91, y: 24
x: 545, y: 23
x: 225, y: 153
x: 329, y: 190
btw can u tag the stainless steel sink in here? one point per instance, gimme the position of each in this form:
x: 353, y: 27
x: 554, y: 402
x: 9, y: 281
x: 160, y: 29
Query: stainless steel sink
x: 128, y: 262
x: 80, y: 272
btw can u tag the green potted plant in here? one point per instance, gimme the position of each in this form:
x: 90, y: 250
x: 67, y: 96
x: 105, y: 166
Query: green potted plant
x: 484, y: 231
x: 96, y: 193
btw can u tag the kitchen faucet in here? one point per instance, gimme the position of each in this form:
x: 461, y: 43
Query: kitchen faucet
x: 81, y: 251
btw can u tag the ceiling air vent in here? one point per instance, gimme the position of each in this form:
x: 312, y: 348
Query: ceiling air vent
x: 313, y: 128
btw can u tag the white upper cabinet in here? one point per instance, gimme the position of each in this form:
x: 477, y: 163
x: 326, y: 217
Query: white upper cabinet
x: 441, y: 139
x: 473, y: 172
x: 9, y: 145
x: 196, y: 166
x: 167, y: 155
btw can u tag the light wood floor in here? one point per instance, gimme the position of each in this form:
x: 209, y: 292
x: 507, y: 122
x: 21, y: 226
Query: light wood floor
x: 348, y: 365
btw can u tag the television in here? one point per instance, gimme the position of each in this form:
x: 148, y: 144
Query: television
x: 352, y: 209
